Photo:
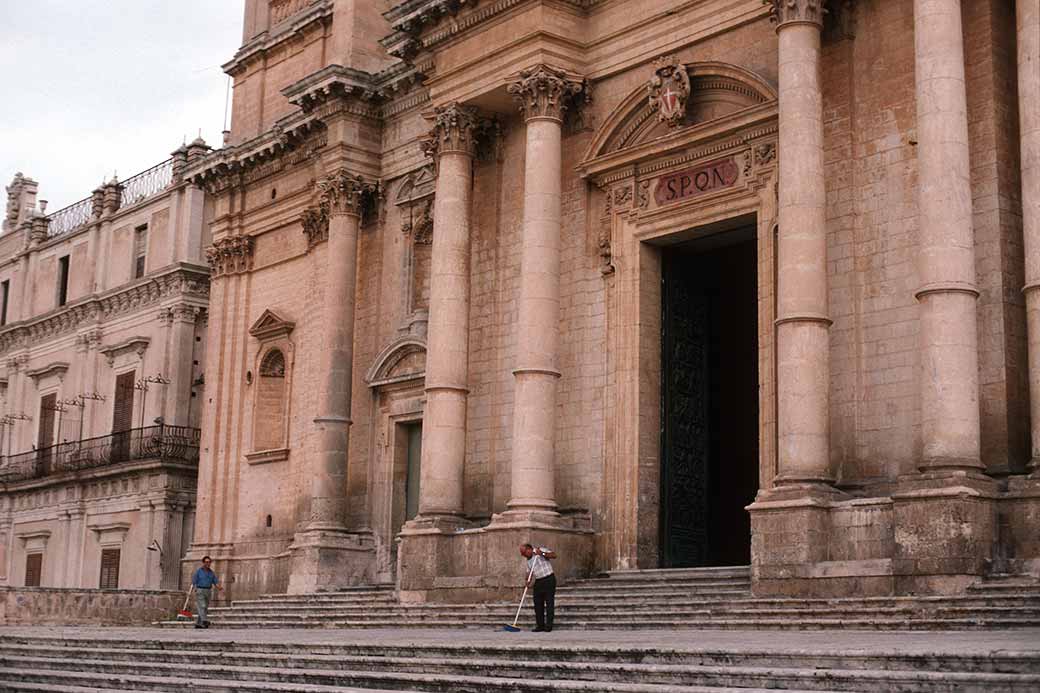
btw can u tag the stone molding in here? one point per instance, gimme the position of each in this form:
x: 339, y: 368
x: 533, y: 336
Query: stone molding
x: 137, y: 345
x: 181, y: 280
x: 344, y: 193
x: 230, y: 255
x: 290, y: 26
x: 786, y: 12
x: 545, y: 92
x: 58, y: 368
x: 455, y: 129
x: 270, y: 325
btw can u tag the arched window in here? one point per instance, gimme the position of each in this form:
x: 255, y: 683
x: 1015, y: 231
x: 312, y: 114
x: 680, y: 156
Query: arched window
x: 269, y: 421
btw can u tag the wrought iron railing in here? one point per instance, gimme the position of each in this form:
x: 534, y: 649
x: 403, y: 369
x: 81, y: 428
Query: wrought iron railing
x: 70, y: 218
x: 147, y: 183
x: 173, y: 443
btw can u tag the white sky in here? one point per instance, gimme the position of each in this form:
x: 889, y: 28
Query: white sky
x: 96, y: 86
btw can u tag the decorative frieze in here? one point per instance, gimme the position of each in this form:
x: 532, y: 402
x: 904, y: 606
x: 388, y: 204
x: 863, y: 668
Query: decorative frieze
x: 783, y: 12
x: 546, y: 92
x: 344, y: 193
x: 231, y: 255
x: 669, y: 90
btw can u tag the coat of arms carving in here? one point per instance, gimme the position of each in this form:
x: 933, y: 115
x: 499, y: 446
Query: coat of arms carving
x: 669, y: 89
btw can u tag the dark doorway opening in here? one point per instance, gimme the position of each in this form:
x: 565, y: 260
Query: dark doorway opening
x: 709, y: 399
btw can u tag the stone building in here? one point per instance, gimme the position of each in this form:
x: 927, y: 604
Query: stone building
x: 658, y: 283
x: 102, y: 339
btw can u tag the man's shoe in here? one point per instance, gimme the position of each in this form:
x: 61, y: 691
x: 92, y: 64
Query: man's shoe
x: 548, y: 629
x: 198, y: 625
x: 537, y: 629
x: 205, y: 624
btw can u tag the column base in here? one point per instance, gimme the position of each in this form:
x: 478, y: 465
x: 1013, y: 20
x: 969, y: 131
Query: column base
x: 328, y: 558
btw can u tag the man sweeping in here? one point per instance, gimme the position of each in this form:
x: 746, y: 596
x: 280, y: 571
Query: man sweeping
x: 540, y: 573
x: 205, y: 581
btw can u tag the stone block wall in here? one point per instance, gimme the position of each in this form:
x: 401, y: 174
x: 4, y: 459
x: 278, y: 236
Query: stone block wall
x: 40, y: 606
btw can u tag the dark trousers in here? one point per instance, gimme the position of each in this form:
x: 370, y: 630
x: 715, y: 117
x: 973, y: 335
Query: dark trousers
x: 544, y: 601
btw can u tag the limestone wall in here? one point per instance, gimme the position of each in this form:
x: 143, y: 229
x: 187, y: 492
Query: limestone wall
x: 68, y: 607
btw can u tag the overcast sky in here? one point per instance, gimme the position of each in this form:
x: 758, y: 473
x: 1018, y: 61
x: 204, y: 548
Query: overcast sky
x: 96, y: 86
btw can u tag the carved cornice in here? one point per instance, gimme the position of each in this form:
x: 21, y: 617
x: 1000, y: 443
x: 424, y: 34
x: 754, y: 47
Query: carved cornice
x: 344, y: 193
x: 546, y: 92
x: 287, y: 24
x: 315, y: 223
x: 230, y: 255
x: 137, y: 345
x: 355, y: 91
x: 270, y: 325
x: 59, y: 368
x: 180, y: 280
x: 784, y: 12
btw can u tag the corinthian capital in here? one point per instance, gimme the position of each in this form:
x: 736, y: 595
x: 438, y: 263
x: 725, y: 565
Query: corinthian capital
x: 455, y: 129
x: 342, y: 193
x: 544, y: 92
x: 783, y: 12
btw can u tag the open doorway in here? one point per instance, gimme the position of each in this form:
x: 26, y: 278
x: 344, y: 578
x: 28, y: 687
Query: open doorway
x: 407, y: 454
x: 709, y: 399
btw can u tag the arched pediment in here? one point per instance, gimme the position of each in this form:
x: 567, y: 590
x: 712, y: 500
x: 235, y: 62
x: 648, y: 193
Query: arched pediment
x: 717, y: 90
x: 400, y: 361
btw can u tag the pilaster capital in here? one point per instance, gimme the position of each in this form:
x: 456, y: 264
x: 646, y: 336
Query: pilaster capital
x: 455, y: 129
x: 230, y: 255
x: 545, y: 92
x: 342, y: 193
x: 315, y: 223
x: 786, y: 12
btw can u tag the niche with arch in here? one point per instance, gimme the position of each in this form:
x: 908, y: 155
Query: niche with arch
x: 272, y: 389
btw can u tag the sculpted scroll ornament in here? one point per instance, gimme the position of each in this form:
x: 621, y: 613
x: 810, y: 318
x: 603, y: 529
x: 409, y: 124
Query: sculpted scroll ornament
x: 669, y: 89
x: 783, y: 11
x: 545, y: 92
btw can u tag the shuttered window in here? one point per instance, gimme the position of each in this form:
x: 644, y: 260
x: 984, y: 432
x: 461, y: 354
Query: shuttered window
x: 109, y: 569
x: 33, y: 569
x: 123, y: 416
x: 140, y: 250
x: 45, y: 436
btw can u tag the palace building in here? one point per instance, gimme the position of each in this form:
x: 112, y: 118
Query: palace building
x: 657, y: 283
x: 102, y: 344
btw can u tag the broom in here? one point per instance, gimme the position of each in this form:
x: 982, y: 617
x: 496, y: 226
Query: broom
x: 185, y: 612
x: 513, y: 628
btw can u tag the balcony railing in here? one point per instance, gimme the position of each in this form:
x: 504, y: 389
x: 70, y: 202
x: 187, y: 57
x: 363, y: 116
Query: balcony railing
x: 147, y: 183
x: 70, y: 218
x: 169, y: 443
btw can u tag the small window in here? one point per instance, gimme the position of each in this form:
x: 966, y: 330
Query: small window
x: 109, y: 569
x: 33, y: 569
x: 5, y: 289
x: 140, y: 250
x: 63, y: 280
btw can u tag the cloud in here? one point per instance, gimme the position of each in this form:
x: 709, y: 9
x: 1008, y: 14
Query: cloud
x: 97, y: 87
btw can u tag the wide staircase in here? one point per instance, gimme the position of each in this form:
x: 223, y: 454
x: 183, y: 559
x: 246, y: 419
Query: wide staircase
x: 701, y: 598
x: 76, y: 665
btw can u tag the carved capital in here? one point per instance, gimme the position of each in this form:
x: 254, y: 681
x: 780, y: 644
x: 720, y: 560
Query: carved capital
x: 784, y: 12
x: 545, y: 92
x: 455, y: 129
x: 231, y: 255
x: 343, y: 193
x: 315, y: 223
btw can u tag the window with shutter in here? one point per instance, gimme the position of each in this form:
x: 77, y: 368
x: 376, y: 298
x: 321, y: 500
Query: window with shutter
x: 109, y: 569
x: 45, y: 436
x: 33, y: 569
x: 123, y: 416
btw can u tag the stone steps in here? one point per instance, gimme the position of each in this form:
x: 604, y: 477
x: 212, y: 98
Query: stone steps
x: 107, y: 665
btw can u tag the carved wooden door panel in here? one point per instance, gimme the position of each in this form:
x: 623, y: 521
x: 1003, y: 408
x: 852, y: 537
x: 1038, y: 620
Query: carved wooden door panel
x: 685, y: 422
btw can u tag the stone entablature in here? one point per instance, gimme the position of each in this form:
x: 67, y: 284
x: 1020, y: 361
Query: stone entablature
x: 182, y: 281
x: 303, y: 15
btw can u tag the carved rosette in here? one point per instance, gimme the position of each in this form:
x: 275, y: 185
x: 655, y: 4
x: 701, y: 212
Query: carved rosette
x: 545, y: 92
x: 343, y: 193
x: 315, y: 223
x: 232, y: 255
x: 783, y: 12
x: 669, y: 89
x: 455, y: 129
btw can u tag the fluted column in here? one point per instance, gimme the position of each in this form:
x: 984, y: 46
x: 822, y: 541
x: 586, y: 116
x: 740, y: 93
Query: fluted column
x: 946, y: 257
x: 802, y: 325
x: 543, y: 94
x: 1029, y: 127
x: 447, y: 355
x: 341, y: 194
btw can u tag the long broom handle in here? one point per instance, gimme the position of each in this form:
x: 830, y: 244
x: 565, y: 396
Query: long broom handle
x: 187, y: 597
x: 523, y: 597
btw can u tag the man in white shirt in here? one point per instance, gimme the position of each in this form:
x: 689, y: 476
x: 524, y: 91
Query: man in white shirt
x: 540, y: 573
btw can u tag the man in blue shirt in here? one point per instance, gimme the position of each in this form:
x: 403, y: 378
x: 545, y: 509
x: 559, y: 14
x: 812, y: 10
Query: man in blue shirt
x: 205, y: 581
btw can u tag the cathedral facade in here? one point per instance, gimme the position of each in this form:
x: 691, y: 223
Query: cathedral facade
x: 657, y: 283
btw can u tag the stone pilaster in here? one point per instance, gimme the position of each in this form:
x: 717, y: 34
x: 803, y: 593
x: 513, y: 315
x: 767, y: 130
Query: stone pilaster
x: 946, y: 257
x: 543, y: 94
x: 182, y: 348
x: 322, y: 552
x: 452, y: 143
x: 802, y: 323
x: 1028, y: 20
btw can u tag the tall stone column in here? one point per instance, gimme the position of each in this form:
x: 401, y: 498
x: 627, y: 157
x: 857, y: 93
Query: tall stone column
x: 322, y: 552
x: 949, y: 350
x: 447, y: 354
x: 1029, y: 126
x: 543, y: 94
x: 802, y: 325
